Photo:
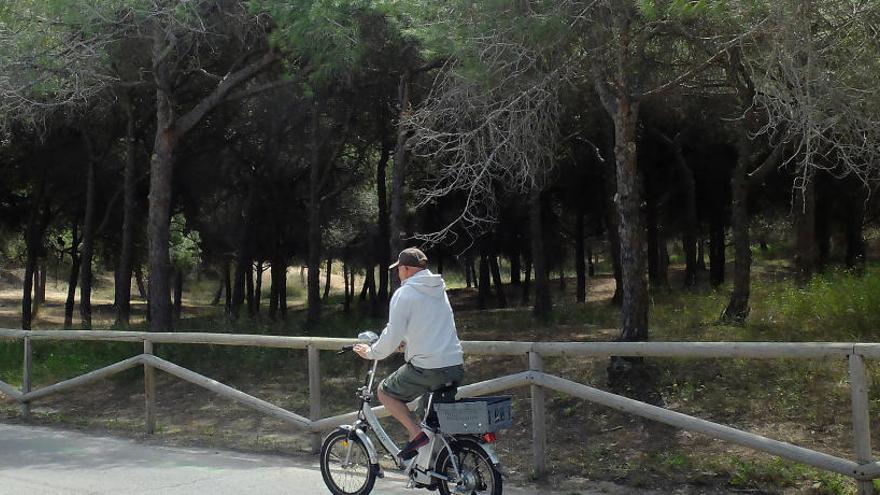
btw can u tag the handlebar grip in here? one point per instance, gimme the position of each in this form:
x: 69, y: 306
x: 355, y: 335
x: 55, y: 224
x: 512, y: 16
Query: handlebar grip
x: 346, y: 348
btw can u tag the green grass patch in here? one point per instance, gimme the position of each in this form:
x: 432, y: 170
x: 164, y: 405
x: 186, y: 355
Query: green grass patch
x: 838, y: 305
x: 57, y: 361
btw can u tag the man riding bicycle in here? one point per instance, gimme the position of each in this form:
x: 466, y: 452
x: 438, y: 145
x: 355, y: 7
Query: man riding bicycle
x: 420, y: 320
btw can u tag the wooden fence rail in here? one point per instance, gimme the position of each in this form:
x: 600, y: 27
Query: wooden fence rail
x: 863, y: 469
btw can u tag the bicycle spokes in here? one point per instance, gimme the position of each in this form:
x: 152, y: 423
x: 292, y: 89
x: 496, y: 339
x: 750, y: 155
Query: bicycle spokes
x: 348, y: 465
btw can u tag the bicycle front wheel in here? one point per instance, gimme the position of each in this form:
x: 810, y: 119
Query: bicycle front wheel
x: 479, y: 476
x: 345, y: 464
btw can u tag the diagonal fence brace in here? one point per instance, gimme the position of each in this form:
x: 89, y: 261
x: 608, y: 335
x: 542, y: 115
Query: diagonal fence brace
x: 228, y: 392
x: 82, y: 379
x: 10, y: 390
x: 714, y: 430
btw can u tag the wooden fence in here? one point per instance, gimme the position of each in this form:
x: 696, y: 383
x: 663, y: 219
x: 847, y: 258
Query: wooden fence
x: 863, y: 469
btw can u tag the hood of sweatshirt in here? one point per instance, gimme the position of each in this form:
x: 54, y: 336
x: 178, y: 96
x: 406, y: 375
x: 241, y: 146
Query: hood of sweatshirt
x: 427, y: 283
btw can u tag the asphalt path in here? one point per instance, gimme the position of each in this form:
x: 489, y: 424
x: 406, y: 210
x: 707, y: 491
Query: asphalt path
x: 47, y: 461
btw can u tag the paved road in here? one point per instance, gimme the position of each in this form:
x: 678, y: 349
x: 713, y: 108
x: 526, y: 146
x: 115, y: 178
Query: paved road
x: 45, y: 461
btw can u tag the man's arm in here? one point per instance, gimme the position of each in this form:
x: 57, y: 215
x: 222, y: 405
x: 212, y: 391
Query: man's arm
x: 392, y: 337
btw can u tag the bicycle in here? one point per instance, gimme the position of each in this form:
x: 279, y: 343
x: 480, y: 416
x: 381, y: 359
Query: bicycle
x: 458, y: 461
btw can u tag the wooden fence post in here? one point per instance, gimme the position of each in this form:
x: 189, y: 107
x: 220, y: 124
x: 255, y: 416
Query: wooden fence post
x: 539, y: 425
x: 315, y: 393
x: 149, y: 393
x: 26, y: 376
x: 860, y: 417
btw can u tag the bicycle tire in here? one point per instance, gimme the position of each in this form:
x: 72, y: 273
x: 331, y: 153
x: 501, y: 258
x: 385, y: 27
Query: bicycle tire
x: 476, y: 461
x: 331, y: 448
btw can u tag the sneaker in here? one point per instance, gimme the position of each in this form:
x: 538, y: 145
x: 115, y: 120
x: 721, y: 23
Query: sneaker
x: 412, y: 448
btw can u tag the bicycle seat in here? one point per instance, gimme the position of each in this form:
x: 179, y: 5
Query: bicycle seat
x: 445, y: 393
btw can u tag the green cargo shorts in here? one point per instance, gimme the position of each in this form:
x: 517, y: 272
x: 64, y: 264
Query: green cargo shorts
x: 409, y: 381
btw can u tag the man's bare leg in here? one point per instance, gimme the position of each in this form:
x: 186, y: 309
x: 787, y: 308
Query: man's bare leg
x: 400, y: 412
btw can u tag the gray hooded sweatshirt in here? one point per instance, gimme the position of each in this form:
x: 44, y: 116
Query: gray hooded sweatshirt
x: 420, y: 317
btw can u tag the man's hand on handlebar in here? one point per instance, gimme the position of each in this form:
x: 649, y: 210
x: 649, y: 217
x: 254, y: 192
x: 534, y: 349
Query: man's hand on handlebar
x: 361, y: 350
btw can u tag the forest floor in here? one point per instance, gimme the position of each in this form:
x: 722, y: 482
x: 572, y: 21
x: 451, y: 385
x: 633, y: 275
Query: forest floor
x: 802, y: 402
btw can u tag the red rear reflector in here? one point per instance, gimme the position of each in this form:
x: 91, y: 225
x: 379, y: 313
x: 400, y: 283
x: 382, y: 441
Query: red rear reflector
x: 489, y: 438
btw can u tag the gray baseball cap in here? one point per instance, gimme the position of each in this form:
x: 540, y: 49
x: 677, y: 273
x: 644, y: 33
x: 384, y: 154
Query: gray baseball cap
x: 411, y: 257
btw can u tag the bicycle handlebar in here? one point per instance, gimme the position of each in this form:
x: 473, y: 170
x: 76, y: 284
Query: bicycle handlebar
x: 346, y: 348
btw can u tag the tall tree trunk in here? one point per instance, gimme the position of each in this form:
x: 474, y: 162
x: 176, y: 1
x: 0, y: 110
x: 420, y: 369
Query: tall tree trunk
x: 805, y: 229
x: 591, y: 265
x: 689, y: 230
x: 227, y: 287
x: 126, y: 253
x: 483, y: 284
x: 662, y: 258
x: 27, y: 299
x: 161, y: 175
x: 632, y: 242
x: 282, y: 289
x: 71, y: 292
x: 652, y: 241
x: 72, y: 280
x: 35, y: 301
x: 543, y: 304
x: 169, y: 130
x: 141, y: 283
x: 496, y: 280
x: 579, y: 262
x: 701, y: 254
x: 383, y: 251
x: 327, y: 279
x: 88, y: 245
x: 244, y: 262
x: 366, y: 285
x: 855, y: 239
x: 515, y: 269
x: 398, y: 172
x: 249, y: 290
x: 258, y: 287
x: 315, y: 248
x: 528, y: 280
x: 468, y: 270
x: 347, y: 299
x: 38, y: 220
x: 717, y: 240
x: 41, y: 294
x: 178, y: 293
x: 823, y: 210
x: 627, y: 372
x: 239, y: 284
x: 440, y: 261
x: 370, y: 284
x: 613, y: 230
x: 35, y: 311
x: 278, y: 299
x: 221, y: 283
x: 737, y: 309
x: 273, y: 292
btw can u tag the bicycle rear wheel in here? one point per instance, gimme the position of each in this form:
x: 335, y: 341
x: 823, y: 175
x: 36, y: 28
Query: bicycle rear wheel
x: 345, y: 464
x: 479, y: 476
